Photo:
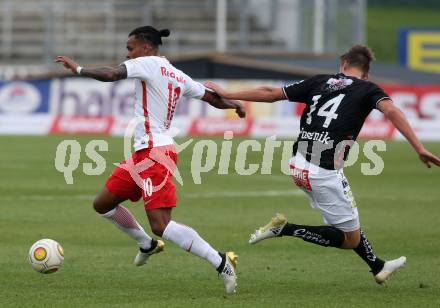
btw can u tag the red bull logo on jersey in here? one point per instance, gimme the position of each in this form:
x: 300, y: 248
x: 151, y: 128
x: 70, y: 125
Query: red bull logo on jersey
x: 171, y: 74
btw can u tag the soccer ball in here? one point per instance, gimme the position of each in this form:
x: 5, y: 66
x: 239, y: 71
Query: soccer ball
x: 46, y: 256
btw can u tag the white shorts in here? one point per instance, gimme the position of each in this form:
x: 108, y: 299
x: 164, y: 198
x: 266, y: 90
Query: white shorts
x: 328, y: 191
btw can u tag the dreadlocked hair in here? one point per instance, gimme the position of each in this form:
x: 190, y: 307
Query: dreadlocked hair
x: 150, y: 34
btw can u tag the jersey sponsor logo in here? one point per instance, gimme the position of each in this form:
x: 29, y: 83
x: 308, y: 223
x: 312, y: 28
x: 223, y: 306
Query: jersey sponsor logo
x: 322, y: 137
x: 171, y: 74
x: 301, y: 178
x: 338, y: 84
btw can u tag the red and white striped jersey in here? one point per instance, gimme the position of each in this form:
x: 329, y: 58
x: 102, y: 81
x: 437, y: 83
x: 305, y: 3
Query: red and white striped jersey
x: 159, y: 86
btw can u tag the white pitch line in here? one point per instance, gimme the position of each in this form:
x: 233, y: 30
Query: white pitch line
x: 216, y: 194
x: 226, y: 194
x: 47, y: 197
x: 233, y: 194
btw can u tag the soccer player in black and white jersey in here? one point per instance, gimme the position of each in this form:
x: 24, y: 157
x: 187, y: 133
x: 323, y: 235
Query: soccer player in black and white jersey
x: 336, y: 108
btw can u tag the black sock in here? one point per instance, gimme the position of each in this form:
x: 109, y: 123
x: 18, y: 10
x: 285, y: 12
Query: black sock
x: 222, y: 265
x: 365, y: 251
x: 327, y: 236
x: 153, y: 245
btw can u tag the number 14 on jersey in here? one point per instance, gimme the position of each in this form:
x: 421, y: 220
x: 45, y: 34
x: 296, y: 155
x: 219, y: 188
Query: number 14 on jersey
x: 328, y: 110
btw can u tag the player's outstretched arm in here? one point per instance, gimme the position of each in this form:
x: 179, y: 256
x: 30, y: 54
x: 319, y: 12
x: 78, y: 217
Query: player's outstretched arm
x: 263, y: 94
x: 397, y: 117
x: 216, y: 101
x: 100, y: 73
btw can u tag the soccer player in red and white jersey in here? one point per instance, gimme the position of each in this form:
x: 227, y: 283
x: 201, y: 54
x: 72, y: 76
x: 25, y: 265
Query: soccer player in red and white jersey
x: 147, y: 174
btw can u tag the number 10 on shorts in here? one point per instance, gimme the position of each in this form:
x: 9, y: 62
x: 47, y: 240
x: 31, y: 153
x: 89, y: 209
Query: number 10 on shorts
x: 148, y: 187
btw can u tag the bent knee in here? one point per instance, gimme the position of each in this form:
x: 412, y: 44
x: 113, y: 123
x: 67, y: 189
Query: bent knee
x: 158, y: 229
x: 96, y: 205
x: 352, y: 240
x: 102, y: 207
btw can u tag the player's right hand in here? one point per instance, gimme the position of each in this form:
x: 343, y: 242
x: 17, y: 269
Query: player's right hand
x: 427, y: 158
x: 67, y: 62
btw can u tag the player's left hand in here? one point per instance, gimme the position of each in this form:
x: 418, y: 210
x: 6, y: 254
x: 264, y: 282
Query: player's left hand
x: 67, y: 62
x: 427, y: 158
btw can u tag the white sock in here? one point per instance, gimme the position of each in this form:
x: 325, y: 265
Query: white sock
x: 189, y: 240
x: 125, y: 221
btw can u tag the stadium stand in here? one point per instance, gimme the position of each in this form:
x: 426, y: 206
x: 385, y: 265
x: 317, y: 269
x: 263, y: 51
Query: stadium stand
x: 94, y: 30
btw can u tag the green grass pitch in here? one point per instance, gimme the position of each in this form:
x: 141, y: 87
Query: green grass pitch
x: 399, y: 211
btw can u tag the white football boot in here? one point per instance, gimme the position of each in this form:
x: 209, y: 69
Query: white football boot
x: 272, y: 229
x: 142, y: 257
x: 228, y: 272
x: 389, y: 268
